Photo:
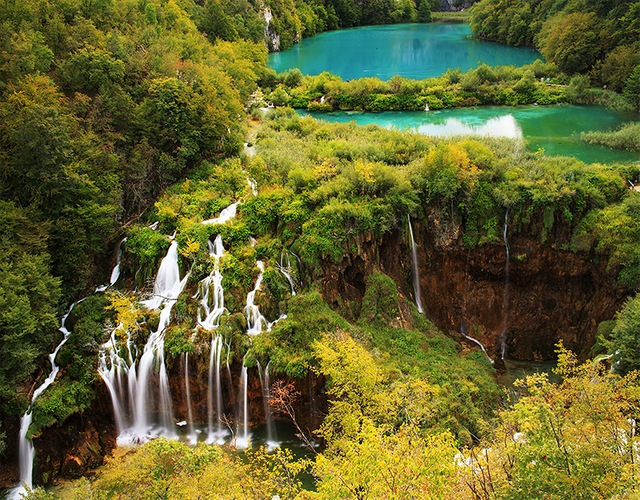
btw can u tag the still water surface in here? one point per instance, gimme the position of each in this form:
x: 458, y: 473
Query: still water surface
x: 552, y: 128
x: 415, y: 51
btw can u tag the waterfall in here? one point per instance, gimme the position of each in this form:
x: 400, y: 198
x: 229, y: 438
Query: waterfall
x: 505, y: 299
x: 225, y: 215
x: 251, y: 311
x: 193, y: 438
x: 242, y: 441
x: 111, y: 373
x: 215, y: 436
x: 212, y: 315
x: 115, y: 274
x: 25, y: 446
x: 414, y: 269
x: 253, y: 185
x: 268, y: 414
x: 477, y: 342
x: 113, y: 365
x: 285, y: 269
x: 166, y: 289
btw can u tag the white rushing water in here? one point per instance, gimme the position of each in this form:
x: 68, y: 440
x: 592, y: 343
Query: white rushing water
x: 139, y: 388
x: 505, y: 298
x: 414, y: 269
x: 478, y: 343
x: 255, y: 319
x: 286, y: 269
x: 192, y: 437
x: 243, y: 437
x: 25, y: 446
x: 115, y: 274
x: 216, y: 435
x: 226, y: 215
x: 213, y: 306
x: 139, y: 414
x: 272, y: 441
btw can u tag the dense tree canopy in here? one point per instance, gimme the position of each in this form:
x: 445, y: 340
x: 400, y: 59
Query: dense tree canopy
x: 580, y: 37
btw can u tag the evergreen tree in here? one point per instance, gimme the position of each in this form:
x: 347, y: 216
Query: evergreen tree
x: 632, y: 87
x: 424, y: 12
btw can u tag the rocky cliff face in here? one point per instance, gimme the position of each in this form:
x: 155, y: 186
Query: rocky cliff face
x: 524, y: 304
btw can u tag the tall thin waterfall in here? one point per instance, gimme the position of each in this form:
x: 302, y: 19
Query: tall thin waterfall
x: 217, y: 435
x: 115, y: 364
x: 414, y: 269
x: 25, y: 446
x: 215, y: 310
x: 505, y: 298
x: 478, y: 343
x: 268, y: 414
x: 193, y: 438
x: 242, y: 440
x: 285, y: 269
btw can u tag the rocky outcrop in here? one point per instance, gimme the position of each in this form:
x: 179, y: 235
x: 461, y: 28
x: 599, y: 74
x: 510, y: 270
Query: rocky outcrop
x: 542, y: 295
x: 270, y: 34
x: 78, y: 445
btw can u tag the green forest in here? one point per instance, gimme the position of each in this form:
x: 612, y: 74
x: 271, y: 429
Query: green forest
x: 140, y: 119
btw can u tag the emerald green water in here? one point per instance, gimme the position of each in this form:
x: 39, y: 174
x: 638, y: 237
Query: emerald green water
x: 552, y: 128
x: 411, y: 50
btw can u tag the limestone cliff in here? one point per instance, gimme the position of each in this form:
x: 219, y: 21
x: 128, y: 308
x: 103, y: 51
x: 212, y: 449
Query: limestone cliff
x: 542, y: 295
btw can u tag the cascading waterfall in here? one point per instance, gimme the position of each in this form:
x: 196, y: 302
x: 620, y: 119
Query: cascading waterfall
x: 115, y: 274
x: 212, y: 314
x: 193, y: 437
x: 112, y: 373
x: 25, y: 446
x: 113, y: 366
x: 225, y: 215
x: 505, y: 299
x: 166, y: 290
x: 255, y: 319
x: 414, y: 269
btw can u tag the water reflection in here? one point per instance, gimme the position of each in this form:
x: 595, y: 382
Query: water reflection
x: 500, y: 126
x: 555, y: 129
x: 410, y: 50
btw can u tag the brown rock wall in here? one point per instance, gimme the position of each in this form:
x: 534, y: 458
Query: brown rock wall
x: 542, y: 296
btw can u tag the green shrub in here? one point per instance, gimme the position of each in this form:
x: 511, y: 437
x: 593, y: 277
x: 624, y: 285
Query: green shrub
x: 147, y: 245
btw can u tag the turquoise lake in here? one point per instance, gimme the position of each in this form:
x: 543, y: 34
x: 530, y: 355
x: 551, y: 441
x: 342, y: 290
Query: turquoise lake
x: 425, y: 50
x: 411, y: 50
x: 552, y: 128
